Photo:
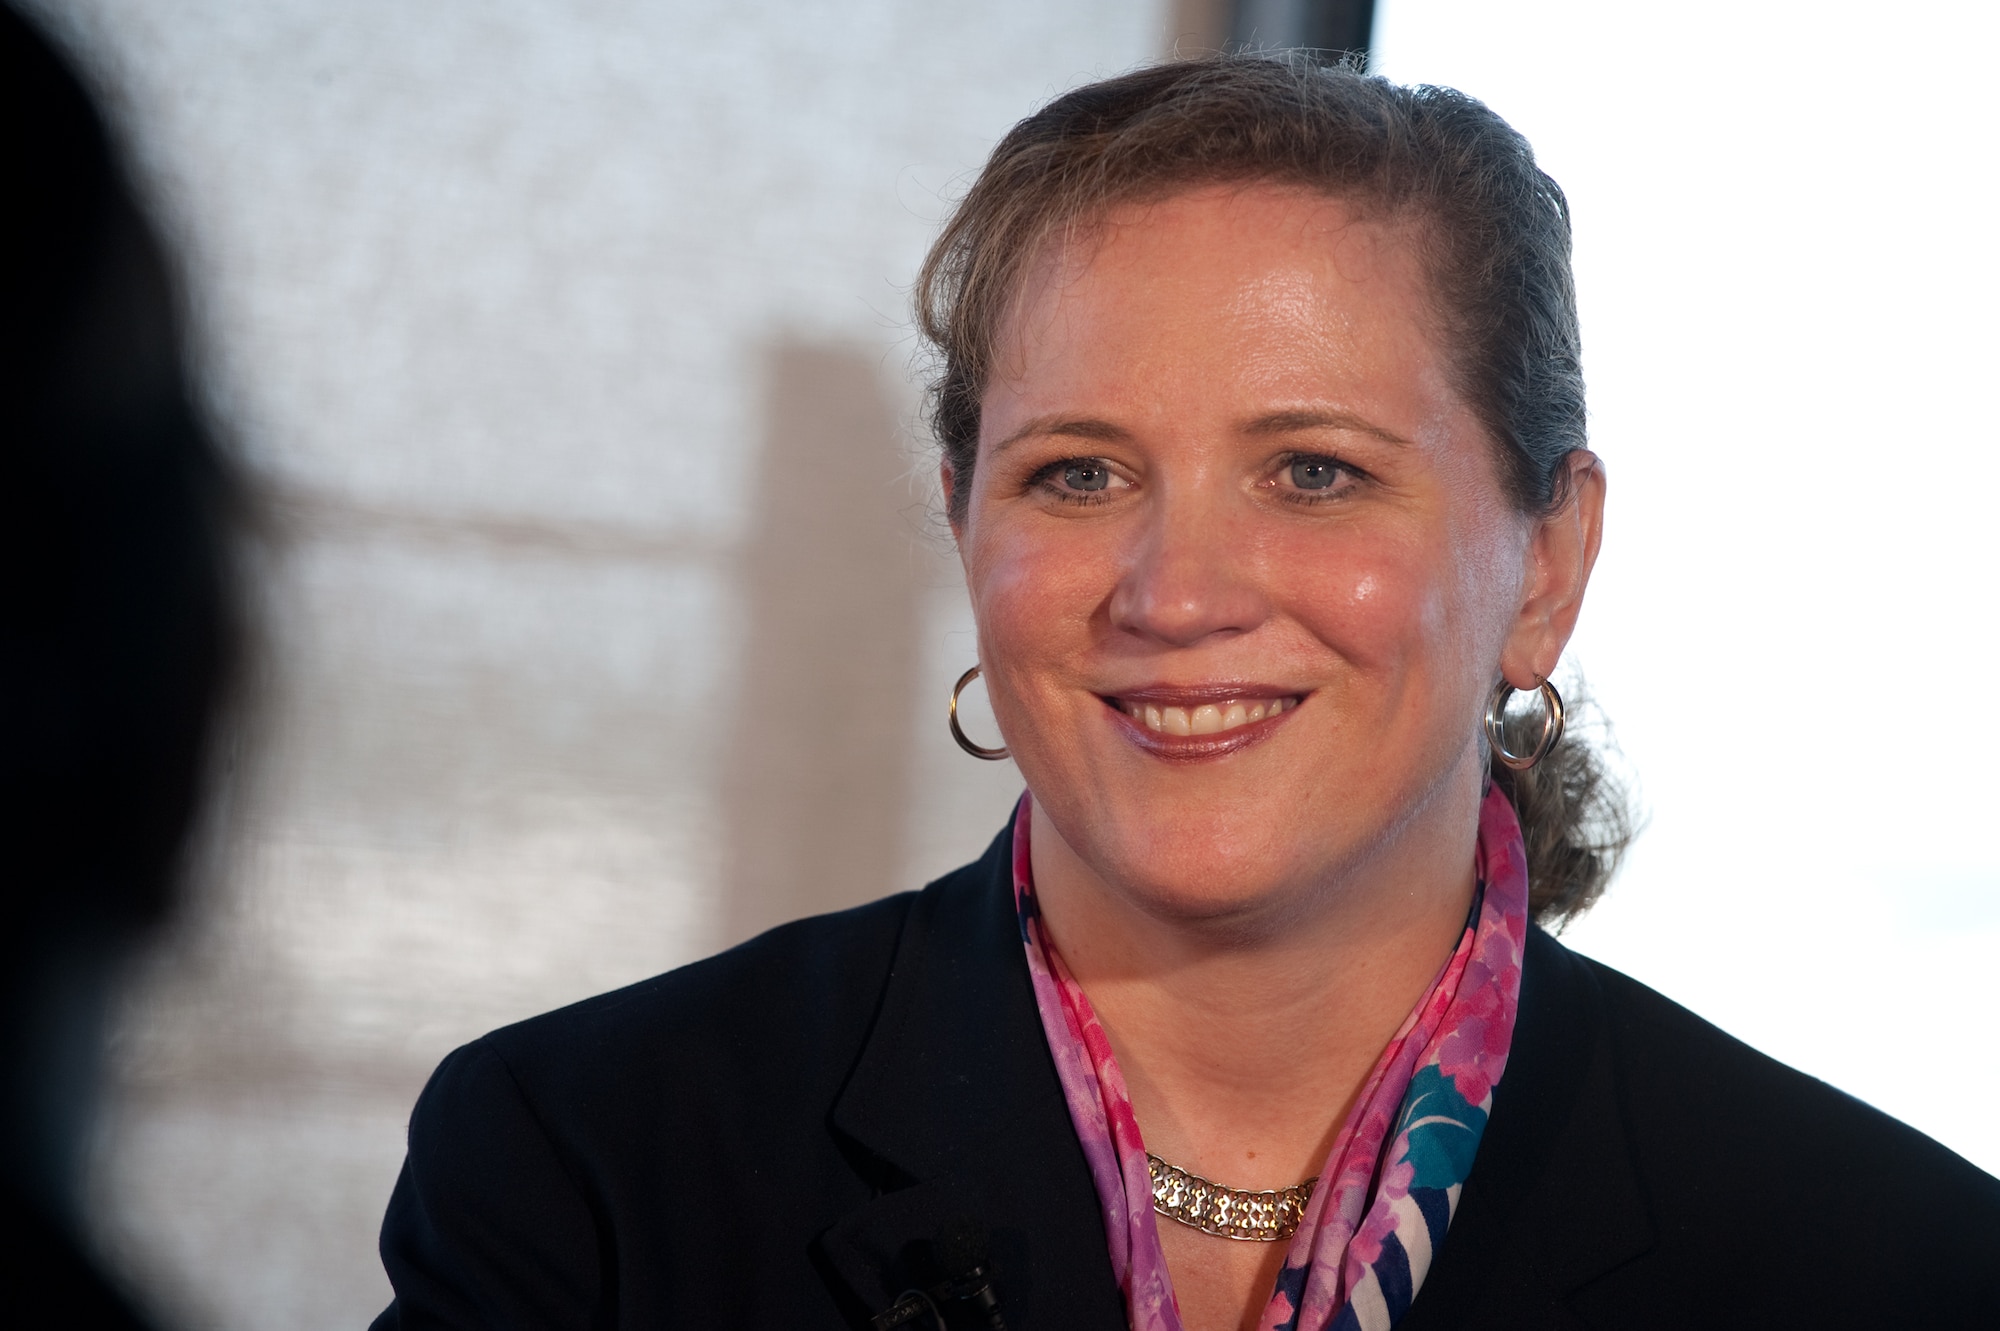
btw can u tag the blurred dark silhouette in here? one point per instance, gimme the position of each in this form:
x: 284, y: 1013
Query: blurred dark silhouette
x: 118, y: 639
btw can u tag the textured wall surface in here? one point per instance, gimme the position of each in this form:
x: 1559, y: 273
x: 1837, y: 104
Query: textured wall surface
x: 570, y: 340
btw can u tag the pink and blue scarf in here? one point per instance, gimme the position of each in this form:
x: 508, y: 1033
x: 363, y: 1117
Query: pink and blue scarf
x: 1392, y: 1181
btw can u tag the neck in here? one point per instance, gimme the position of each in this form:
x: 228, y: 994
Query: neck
x: 1243, y: 1049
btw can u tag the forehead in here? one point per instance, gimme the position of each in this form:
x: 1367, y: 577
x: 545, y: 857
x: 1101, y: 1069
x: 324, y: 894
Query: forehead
x: 1275, y: 282
x: 1271, y: 220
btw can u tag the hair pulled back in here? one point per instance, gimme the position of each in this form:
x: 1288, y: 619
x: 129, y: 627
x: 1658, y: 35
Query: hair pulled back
x: 1492, y: 232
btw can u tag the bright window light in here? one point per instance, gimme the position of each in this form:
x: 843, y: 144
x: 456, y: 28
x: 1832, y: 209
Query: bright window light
x: 1787, y: 272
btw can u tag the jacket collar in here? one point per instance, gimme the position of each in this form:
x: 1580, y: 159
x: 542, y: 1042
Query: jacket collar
x: 1553, y: 1200
x: 955, y: 1108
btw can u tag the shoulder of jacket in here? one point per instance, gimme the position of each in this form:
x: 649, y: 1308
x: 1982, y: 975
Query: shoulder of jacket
x: 1702, y: 1095
x: 802, y: 991
x: 805, y: 972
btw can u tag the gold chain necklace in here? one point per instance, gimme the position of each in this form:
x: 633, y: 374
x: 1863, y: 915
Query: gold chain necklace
x: 1228, y: 1213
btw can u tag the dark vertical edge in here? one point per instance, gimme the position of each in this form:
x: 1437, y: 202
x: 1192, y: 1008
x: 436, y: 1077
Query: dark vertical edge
x: 1331, y: 30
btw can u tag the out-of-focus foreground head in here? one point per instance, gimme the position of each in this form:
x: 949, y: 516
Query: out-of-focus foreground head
x: 119, y: 633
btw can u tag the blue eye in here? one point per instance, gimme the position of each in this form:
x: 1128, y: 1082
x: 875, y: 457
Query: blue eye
x: 1315, y: 473
x: 1086, y: 474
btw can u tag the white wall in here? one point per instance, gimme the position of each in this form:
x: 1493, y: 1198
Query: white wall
x: 1787, y: 271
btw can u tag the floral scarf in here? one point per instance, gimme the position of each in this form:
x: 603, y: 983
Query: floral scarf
x: 1392, y: 1181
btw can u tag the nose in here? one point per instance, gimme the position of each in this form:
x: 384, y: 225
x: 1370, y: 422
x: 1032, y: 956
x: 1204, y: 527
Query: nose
x: 1190, y: 576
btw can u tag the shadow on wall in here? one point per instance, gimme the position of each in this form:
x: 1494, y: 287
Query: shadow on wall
x: 816, y: 776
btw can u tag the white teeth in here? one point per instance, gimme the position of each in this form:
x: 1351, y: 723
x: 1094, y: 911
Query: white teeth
x: 1207, y: 718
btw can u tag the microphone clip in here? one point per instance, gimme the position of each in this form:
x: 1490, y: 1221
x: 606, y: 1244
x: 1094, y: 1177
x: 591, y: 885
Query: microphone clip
x: 966, y: 1291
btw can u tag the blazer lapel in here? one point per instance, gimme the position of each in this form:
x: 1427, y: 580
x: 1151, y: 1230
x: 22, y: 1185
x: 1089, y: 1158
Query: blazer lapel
x: 1553, y: 1201
x: 955, y: 1108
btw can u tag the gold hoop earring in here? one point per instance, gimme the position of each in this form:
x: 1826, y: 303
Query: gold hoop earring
x: 976, y: 750
x: 1552, y: 725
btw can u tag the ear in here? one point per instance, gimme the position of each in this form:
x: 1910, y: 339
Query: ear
x: 1561, y: 553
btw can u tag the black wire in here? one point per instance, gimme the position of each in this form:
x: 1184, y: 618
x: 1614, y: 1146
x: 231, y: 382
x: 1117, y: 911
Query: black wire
x: 910, y: 1304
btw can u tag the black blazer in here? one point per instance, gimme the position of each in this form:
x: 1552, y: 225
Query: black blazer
x: 770, y: 1138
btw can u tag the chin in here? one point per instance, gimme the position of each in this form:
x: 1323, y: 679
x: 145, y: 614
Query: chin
x: 1172, y: 871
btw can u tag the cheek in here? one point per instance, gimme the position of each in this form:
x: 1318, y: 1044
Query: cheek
x: 1412, y: 603
x: 1378, y: 605
x: 1032, y: 599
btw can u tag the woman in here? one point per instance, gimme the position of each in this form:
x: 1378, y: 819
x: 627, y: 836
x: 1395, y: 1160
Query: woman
x: 1262, y: 425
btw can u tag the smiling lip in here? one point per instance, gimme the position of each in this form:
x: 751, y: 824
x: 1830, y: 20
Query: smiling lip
x: 1203, y: 720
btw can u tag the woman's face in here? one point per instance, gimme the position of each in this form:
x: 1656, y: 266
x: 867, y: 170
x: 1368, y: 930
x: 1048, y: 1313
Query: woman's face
x: 1242, y: 566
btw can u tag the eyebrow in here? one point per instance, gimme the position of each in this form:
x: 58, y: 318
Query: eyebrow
x: 1074, y: 427
x: 1277, y: 423
x: 1293, y: 422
